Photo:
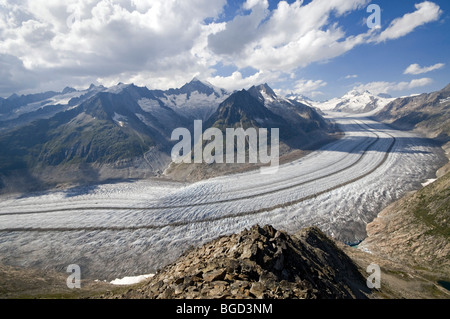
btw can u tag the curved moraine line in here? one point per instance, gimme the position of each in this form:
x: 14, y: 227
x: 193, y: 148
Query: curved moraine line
x: 213, y: 219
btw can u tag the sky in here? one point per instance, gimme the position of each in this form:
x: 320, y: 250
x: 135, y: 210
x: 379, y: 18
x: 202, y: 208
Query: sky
x: 317, y: 48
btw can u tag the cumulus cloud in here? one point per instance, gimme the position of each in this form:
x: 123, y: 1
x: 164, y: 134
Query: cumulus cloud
x: 425, y: 12
x: 291, y: 36
x: 295, y: 35
x: 309, y: 87
x: 164, y: 43
x: 417, y: 69
x: 237, y: 81
x: 14, y: 76
x: 303, y: 87
x: 387, y: 87
x: 240, y: 31
x: 249, y: 4
x: 108, y: 39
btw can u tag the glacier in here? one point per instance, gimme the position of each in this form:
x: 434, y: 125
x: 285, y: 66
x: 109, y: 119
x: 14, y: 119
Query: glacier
x: 131, y: 228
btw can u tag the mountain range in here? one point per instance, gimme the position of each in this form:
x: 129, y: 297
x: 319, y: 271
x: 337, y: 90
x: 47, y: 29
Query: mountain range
x: 428, y: 113
x: 124, y: 131
x: 354, y: 102
x: 301, y: 129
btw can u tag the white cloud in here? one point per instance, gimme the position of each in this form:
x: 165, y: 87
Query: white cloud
x: 236, y: 81
x: 241, y: 31
x: 249, y: 4
x: 425, y: 12
x: 109, y: 39
x: 302, y: 87
x: 292, y: 36
x: 350, y: 76
x: 309, y: 87
x: 417, y: 69
x: 387, y: 87
x: 164, y: 43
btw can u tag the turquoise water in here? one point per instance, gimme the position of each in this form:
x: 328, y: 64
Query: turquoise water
x: 445, y: 284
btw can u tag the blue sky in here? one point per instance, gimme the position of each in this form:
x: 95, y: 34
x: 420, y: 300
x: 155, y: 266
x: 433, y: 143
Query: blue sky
x: 386, y: 62
x: 426, y: 45
x: 317, y: 48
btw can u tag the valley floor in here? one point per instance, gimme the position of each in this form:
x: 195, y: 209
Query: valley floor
x: 134, y: 228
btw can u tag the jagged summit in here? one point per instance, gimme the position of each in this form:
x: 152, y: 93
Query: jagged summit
x: 12, y: 97
x: 266, y: 89
x: 263, y: 93
x: 202, y: 87
x: 300, y: 97
x: 242, y: 108
x: 118, y: 88
x: 446, y: 89
x: 198, y: 80
x: 260, y: 262
x: 68, y: 89
x: 356, y: 93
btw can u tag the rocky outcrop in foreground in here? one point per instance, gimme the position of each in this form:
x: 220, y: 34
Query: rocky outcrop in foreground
x: 258, y: 263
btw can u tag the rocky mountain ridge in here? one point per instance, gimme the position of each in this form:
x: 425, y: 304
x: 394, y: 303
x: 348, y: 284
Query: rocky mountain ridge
x: 265, y: 263
x: 257, y: 263
x: 102, y: 133
x: 428, y: 113
x: 301, y: 129
x: 260, y: 262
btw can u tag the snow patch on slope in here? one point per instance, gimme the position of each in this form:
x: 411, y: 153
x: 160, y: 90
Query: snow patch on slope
x: 131, y: 280
x: 197, y: 104
x: 149, y: 105
x: 120, y: 119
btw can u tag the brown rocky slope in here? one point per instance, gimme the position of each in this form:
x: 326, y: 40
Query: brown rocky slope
x: 415, y: 231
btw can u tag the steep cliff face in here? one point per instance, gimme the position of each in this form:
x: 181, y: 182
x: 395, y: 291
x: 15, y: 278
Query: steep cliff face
x: 259, y: 263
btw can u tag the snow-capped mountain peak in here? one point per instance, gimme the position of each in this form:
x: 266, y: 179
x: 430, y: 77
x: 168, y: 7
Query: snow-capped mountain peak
x: 355, y: 101
x: 300, y: 99
x: 118, y: 88
x: 201, y: 86
x: 197, y: 99
x: 264, y: 93
x: 68, y: 89
x: 355, y: 93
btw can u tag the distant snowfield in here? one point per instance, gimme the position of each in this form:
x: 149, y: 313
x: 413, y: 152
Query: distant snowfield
x: 132, y: 228
x: 354, y: 101
x: 62, y: 99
